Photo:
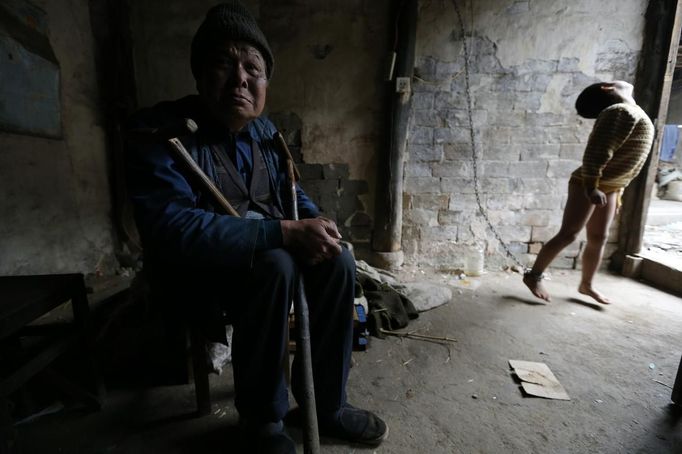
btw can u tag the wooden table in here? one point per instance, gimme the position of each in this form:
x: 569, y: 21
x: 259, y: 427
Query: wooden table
x: 36, y: 344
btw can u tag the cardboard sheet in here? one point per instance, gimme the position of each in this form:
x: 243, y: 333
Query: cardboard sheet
x: 538, y: 380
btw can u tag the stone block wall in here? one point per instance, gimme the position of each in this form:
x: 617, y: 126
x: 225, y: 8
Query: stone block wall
x: 330, y: 186
x: 527, y: 63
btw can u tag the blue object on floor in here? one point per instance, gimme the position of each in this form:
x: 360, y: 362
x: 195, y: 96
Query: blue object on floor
x: 360, y: 332
x: 671, y: 135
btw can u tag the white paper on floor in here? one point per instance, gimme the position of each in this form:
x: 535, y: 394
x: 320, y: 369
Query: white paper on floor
x: 538, y: 380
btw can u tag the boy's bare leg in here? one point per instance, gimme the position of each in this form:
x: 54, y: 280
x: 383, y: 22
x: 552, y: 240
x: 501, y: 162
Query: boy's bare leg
x: 597, y: 234
x: 577, y: 212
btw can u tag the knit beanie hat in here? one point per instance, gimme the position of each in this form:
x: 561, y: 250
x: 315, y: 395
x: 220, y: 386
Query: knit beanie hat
x: 229, y: 20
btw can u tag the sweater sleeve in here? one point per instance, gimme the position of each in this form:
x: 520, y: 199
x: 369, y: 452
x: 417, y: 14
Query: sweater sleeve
x: 610, y: 131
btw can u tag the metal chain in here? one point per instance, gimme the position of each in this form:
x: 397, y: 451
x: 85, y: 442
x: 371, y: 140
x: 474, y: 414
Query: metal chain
x: 474, y: 157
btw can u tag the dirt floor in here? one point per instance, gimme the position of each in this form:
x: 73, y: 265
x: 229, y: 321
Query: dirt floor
x: 616, y: 362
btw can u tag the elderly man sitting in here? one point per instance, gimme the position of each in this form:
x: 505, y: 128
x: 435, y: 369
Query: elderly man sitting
x: 246, y: 267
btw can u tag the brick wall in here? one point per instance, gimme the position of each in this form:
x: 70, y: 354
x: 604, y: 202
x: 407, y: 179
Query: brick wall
x: 329, y: 185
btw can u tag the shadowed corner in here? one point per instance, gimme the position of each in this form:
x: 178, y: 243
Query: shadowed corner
x: 674, y: 415
x: 665, y: 427
x: 591, y: 305
x: 168, y: 420
x: 217, y: 441
x: 530, y: 302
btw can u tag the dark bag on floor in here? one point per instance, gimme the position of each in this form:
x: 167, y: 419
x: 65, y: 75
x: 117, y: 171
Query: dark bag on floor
x: 388, y: 309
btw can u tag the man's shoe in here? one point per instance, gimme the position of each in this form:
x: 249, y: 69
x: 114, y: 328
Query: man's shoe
x: 269, y: 438
x: 354, y: 425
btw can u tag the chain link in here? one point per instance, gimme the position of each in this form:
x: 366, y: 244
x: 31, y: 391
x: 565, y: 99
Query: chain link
x: 474, y: 156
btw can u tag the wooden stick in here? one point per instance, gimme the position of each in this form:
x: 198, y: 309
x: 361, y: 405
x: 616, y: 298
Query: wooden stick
x: 311, y: 437
x: 661, y: 383
x: 281, y: 143
x: 185, y: 157
x: 417, y: 336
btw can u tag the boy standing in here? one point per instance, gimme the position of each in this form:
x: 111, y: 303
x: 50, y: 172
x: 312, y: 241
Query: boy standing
x: 616, y: 151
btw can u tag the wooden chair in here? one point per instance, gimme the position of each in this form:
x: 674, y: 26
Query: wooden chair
x: 197, y: 347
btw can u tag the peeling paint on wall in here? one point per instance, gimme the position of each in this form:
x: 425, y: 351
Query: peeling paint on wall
x: 56, y: 205
x: 29, y: 80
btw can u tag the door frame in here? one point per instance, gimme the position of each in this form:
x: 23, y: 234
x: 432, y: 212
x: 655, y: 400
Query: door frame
x: 653, y: 82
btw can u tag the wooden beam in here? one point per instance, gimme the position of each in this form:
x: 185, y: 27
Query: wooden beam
x: 388, y: 224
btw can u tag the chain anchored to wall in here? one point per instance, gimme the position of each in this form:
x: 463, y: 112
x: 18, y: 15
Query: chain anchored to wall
x: 474, y: 156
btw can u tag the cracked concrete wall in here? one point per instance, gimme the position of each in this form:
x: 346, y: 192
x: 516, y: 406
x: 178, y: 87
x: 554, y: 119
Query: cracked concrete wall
x: 326, y: 90
x: 56, y: 207
x: 528, y: 61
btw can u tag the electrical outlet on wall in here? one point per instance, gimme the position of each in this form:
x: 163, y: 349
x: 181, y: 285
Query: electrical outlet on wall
x: 402, y: 84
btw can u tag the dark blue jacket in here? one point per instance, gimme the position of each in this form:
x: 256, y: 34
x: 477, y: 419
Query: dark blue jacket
x: 175, y: 219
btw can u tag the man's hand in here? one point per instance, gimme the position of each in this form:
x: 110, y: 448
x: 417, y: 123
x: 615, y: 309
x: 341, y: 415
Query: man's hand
x: 312, y: 240
x: 596, y: 197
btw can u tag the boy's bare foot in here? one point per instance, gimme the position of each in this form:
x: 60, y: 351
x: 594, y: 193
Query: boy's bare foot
x: 533, y: 282
x: 589, y: 291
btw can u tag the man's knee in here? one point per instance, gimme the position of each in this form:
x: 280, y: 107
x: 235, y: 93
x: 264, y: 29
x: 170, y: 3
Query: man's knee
x: 275, y: 263
x: 340, y: 274
x: 344, y: 262
x: 270, y: 284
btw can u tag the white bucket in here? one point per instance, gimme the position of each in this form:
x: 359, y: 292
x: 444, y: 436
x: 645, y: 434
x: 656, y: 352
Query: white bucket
x: 474, y: 262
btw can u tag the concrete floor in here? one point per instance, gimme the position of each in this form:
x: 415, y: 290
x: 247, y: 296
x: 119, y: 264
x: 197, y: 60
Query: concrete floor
x: 662, y: 239
x: 614, y: 362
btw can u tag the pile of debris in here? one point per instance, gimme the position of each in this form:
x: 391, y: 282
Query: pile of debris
x: 669, y: 181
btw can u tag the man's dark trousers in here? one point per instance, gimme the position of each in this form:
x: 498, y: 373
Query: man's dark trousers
x: 260, y: 320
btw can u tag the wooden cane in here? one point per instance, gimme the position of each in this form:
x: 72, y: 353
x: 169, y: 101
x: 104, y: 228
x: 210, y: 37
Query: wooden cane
x: 311, y: 438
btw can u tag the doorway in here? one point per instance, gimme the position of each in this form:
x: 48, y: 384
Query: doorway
x: 662, y: 240
x: 646, y: 239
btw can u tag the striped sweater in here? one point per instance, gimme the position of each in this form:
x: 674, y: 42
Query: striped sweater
x: 617, y: 148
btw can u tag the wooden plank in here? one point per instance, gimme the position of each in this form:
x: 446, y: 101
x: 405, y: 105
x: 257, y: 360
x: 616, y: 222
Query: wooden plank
x: 92, y: 401
x: 39, y: 362
x: 25, y: 298
x: 200, y: 369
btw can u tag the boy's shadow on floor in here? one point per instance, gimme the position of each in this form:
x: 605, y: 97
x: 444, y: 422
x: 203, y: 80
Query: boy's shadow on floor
x: 537, y: 302
x: 530, y: 302
x: 589, y: 304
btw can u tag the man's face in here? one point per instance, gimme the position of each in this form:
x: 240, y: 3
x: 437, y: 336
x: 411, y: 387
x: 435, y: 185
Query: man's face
x: 233, y: 83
